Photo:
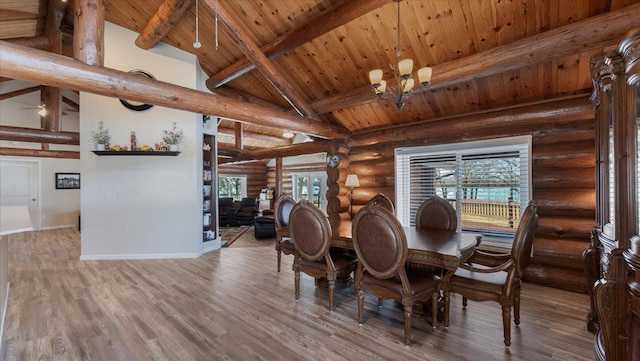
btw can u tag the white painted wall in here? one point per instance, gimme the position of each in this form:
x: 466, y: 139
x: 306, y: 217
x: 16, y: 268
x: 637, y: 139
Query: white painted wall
x: 59, y: 208
x: 141, y: 206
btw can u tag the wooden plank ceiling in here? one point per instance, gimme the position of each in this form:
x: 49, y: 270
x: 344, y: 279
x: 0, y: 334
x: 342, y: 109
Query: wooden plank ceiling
x: 341, y: 40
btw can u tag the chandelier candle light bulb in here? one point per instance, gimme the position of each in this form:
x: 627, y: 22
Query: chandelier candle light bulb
x: 404, y: 80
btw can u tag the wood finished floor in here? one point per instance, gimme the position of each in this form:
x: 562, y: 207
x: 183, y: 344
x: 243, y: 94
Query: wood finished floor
x: 231, y: 304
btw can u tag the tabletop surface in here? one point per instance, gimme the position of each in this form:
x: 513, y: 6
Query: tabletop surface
x: 426, y: 239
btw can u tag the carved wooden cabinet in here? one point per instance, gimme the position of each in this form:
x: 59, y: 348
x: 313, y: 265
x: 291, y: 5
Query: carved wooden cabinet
x: 613, y: 260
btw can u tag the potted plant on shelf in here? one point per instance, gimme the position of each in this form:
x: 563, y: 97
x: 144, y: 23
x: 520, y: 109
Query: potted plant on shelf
x: 101, y: 137
x: 172, y: 137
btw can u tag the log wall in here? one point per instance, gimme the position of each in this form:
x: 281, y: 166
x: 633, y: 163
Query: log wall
x: 563, y: 167
x: 563, y: 174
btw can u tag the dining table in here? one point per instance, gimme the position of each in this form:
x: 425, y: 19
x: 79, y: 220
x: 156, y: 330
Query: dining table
x: 427, y: 246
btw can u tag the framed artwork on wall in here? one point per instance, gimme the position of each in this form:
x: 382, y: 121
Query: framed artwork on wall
x: 67, y: 180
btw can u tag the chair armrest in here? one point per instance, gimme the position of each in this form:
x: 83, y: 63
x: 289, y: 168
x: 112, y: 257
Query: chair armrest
x: 502, y: 267
x: 492, y: 256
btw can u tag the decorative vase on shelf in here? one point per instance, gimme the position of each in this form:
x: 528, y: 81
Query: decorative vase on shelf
x: 173, y: 137
x: 101, y: 137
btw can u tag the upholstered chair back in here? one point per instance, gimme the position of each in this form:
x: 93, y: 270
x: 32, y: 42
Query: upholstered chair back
x: 384, y: 201
x: 436, y: 212
x: 523, y: 239
x: 283, y: 208
x: 379, y: 241
x: 310, y: 231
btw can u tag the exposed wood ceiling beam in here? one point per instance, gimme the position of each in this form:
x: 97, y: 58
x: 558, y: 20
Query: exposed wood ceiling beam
x: 37, y: 153
x: 256, y: 136
x: 334, y: 18
x: 251, y: 50
x: 41, y: 67
x: 284, y: 151
x: 16, y: 93
x: 592, y: 33
x: 38, y: 42
x: 534, y: 115
x: 71, y: 103
x: 225, y: 151
x: 165, y: 19
x: 20, y: 134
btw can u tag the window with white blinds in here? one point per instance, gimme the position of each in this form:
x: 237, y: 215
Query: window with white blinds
x: 487, y: 182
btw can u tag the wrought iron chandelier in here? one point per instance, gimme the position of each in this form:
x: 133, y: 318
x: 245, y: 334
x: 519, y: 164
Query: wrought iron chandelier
x: 404, y: 80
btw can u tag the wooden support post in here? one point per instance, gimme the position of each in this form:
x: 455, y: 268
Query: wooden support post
x: 88, y: 32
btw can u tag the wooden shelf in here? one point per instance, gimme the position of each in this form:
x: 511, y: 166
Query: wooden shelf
x: 114, y: 152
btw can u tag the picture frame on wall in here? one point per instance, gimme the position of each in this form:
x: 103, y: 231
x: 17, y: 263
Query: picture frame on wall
x: 67, y: 180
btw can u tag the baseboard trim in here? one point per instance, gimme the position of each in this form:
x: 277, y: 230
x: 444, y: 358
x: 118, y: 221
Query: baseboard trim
x: 4, y: 315
x: 212, y: 245
x: 113, y: 257
x: 57, y: 227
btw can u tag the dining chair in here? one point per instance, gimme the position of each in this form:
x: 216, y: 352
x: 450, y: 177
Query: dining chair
x: 383, y: 200
x: 438, y: 213
x: 283, y: 208
x: 499, y: 283
x: 435, y: 213
x: 381, y: 246
x: 311, y: 236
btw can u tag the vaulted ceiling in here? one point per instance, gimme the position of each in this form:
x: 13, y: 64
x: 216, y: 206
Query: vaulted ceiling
x: 485, y: 54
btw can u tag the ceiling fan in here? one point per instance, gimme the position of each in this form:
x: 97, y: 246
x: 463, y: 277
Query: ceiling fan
x: 42, y: 109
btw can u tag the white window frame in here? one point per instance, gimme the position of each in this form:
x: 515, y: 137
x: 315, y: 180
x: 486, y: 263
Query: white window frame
x: 403, y: 187
x: 310, y: 175
x: 243, y: 179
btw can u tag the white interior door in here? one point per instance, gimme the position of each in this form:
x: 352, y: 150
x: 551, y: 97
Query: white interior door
x: 19, y: 186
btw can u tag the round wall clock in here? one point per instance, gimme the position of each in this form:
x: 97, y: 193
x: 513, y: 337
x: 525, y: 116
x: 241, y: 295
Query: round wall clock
x: 133, y: 105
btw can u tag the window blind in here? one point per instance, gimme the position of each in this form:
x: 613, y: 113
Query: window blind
x: 487, y: 182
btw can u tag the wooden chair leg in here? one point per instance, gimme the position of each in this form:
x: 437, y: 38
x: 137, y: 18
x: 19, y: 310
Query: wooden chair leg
x: 447, y: 303
x: 434, y: 309
x: 516, y: 307
x: 297, y: 283
x: 464, y: 302
x: 506, y: 323
x: 379, y: 302
x: 360, y: 305
x: 332, y: 286
x: 407, y: 324
x: 279, y: 258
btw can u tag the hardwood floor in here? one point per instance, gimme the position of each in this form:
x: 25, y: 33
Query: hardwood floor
x: 231, y: 304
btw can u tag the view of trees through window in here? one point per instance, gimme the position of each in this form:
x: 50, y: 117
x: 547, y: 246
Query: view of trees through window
x: 486, y: 184
x: 309, y: 187
x: 232, y: 186
x: 488, y: 187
